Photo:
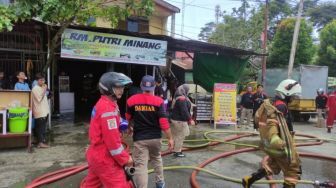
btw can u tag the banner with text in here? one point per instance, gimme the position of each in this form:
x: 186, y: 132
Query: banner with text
x: 78, y: 44
x: 224, y: 109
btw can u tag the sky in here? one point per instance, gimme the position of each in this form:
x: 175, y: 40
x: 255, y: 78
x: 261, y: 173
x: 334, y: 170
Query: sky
x: 199, y: 12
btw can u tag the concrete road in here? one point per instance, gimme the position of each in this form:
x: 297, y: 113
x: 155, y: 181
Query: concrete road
x: 68, y: 143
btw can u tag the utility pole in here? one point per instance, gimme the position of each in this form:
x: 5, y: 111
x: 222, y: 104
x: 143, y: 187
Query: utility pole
x: 295, y: 38
x: 217, y: 13
x: 183, y: 9
x: 172, y: 26
x: 263, y: 72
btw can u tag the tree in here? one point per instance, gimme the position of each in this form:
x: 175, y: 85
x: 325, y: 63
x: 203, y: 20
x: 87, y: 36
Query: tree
x: 281, y: 46
x: 240, y: 29
x: 322, y: 14
x: 307, y: 6
x: 327, y: 52
x: 278, y: 10
x: 63, y: 13
x: 206, y: 31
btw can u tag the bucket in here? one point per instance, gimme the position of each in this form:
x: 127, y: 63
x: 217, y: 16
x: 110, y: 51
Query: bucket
x: 18, y: 120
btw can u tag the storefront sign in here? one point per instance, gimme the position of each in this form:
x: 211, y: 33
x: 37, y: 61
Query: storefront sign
x: 224, y: 110
x: 78, y: 44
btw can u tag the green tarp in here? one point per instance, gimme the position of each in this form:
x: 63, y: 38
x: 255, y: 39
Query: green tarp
x: 210, y: 69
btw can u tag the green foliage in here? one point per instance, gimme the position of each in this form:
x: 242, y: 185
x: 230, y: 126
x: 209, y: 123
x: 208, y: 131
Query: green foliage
x: 281, y: 46
x: 241, y: 29
x: 60, y: 12
x: 7, y: 15
x: 206, y: 31
x: 278, y: 10
x: 322, y: 14
x: 327, y: 52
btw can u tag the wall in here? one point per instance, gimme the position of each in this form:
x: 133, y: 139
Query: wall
x: 157, y: 22
x: 157, y: 26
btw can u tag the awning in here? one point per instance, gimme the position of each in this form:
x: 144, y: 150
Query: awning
x: 183, y: 60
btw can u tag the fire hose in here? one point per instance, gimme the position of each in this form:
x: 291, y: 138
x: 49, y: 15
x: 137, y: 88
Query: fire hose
x: 60, y: 174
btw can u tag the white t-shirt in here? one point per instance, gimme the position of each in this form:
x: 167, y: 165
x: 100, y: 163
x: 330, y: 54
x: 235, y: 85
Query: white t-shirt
x: 40, y: 102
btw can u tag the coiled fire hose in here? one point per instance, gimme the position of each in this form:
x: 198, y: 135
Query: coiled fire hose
x: 208, y: 141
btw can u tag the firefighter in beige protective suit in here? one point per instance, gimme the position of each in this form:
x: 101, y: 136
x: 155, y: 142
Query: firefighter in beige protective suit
x: 276, y: 140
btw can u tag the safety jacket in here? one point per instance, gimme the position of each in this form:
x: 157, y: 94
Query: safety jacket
x: 276, y: 139
x: 105, y: 138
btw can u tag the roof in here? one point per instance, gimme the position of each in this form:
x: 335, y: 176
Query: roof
x: 167, y: 6
x: 183, y: 60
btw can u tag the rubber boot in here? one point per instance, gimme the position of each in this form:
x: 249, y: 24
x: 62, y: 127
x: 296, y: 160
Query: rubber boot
x: 285, y: 185
x: 249, y: 180
x: 329, y: 130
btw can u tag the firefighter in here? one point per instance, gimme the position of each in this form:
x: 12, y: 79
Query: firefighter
x: 321, y: 105
x: 331, y: 111
x: 106, y: 155
x: 276, y: 140
x: 282, y: 99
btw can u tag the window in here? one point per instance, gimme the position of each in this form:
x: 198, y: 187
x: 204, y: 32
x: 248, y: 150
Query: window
x: 132, y: 26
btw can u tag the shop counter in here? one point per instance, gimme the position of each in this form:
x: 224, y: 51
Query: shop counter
x: 11, y: 99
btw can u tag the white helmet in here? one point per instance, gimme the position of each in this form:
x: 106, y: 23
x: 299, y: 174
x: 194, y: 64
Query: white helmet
x: 288, y: 88
x: 320, y: 91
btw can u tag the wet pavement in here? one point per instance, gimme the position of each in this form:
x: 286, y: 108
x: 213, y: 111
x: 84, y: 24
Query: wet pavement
x: 69, y: 139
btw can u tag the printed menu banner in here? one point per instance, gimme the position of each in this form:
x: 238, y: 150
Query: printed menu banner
x: 224, y: 110
x: 79, y: 44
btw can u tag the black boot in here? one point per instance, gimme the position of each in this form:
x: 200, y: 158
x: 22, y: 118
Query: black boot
x: 329, y: 130
x: 249, y: 180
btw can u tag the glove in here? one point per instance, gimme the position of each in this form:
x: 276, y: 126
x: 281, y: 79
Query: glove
x: 123, y: 125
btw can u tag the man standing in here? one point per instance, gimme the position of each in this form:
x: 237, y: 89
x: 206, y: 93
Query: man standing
x: 40, y: 110
x: 149, y: 119
x: 258, y: 99
x: 246, y: 106
x: 331, y: 111
x: 321, y: 105
x: 106, y: 155
x: 21, y: 85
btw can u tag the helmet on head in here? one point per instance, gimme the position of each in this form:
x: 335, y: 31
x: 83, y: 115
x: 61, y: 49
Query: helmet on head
x: 288, y: 88
x: 110, y: 80
x: 320, y: 91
